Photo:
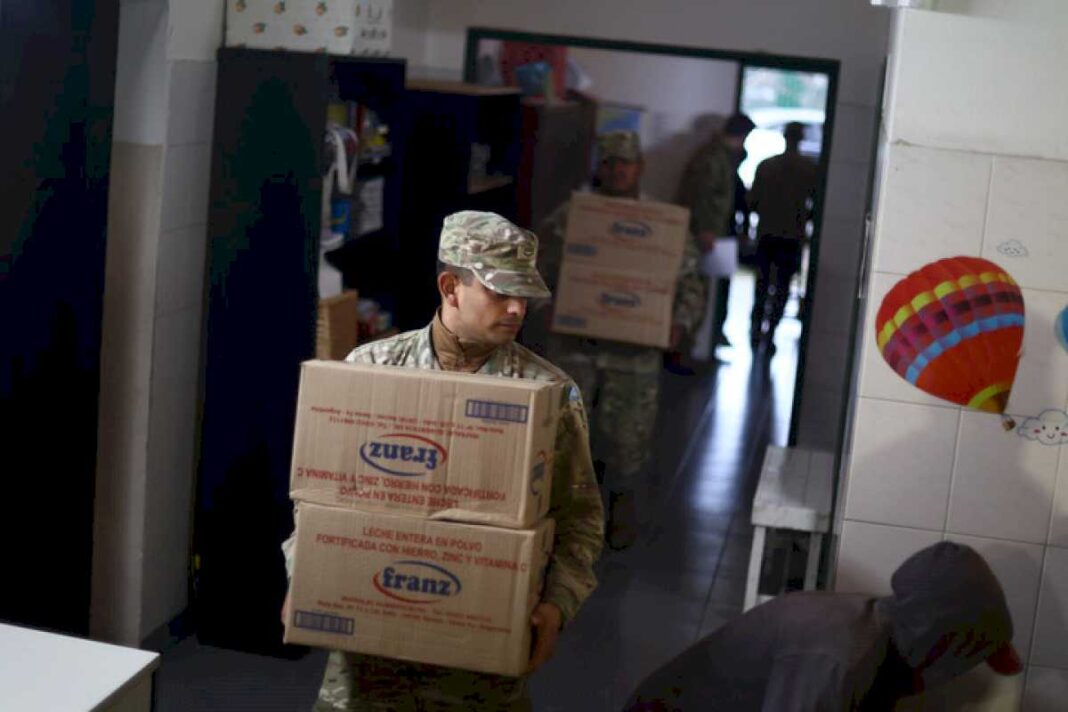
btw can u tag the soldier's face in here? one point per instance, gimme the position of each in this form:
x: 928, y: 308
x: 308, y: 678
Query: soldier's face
x: 619, y: 177
x: 486, y: 316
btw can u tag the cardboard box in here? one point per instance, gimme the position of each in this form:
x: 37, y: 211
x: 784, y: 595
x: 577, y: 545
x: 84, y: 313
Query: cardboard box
x: 432, y: 592
x: 621, y: 263
x: 425, y: 443
x: 614, y: 305
x: 361, y: 27
x: 336, y: 332
x: 634, y: 235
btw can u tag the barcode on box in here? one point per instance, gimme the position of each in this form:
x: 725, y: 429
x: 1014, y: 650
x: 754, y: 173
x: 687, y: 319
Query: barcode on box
x: 324, y: 623
x: 490, y: 410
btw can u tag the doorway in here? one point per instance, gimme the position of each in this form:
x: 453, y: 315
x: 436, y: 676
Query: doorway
x: 778, y: 89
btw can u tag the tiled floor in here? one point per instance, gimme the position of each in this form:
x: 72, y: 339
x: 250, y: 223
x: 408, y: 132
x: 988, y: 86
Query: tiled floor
x: 684, y: 578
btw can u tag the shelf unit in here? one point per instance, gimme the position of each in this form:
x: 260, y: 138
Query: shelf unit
x: 261, y: 309
x: 445, y: 120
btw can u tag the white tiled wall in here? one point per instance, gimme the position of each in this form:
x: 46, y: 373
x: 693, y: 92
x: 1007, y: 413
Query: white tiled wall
x: 869, y: 553
x: 165, y: 98
x: 984, y: 84
x: 1051, y: 623
x: 1046, y: 689
x: 902, y: 464
x: 196, y: 29
x: 192, y: 102
x: 140, y: 74
x: 933, y: 206
x: 1002, y: 483
x: 1027, y: 205
x: 1058, y: 533
x: 968, y: 171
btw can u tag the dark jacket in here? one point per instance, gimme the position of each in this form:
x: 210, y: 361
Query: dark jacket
x: 828, y: 652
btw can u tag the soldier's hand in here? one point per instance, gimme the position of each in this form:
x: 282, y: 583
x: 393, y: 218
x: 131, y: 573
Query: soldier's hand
x: 546, y: 621
x: 285, y: 608
x: 707, y: 240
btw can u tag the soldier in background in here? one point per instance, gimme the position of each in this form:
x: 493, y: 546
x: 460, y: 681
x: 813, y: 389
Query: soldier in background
x: 486, y: 273
x: 620, y: 382
x: 783, y: 195
x: 708, y: 189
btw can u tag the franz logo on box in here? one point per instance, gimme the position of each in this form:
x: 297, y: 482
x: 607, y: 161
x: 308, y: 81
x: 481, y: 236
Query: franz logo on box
x: 416, y: 581
x: 626, y: 300
x: 630, y: 228
x: 403, y: 455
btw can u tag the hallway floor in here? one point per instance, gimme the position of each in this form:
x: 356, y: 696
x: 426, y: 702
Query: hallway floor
x: 684, y: 578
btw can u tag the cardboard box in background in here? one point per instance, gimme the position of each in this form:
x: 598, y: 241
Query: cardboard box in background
x: 621, y: 263
x: 614, y: 305
x: 336, y: 332
x: 634, y: 235
x: 425, y: 443
x: 432, y: 592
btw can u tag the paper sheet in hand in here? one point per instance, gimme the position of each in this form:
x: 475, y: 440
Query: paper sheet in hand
x: 722, y: 260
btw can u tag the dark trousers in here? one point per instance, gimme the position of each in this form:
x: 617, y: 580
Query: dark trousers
x: 719, y: 316
x: 778, y: 259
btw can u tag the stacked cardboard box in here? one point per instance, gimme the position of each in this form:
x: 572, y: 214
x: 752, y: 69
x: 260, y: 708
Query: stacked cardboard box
x: 421, y: 530
x: 336, y: 329
x: 621, y: 262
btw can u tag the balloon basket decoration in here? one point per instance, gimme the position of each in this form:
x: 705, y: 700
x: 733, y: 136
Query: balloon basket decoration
x: 954, y: 329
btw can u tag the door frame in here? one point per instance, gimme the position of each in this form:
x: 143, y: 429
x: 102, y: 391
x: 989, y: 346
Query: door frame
x: 830, y: 67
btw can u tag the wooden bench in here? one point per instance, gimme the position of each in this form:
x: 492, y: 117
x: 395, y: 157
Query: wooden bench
x: 794, y: 493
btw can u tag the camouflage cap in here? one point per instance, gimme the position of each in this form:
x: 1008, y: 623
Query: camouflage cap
x: 501, y: 255
x: 624, y: 145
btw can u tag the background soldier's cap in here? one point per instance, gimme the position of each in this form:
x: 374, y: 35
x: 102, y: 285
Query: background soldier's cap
x: 501, y: 255
x: 624, y: 145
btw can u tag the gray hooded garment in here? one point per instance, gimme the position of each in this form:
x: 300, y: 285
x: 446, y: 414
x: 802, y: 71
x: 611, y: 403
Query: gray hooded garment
x: 827, y: 652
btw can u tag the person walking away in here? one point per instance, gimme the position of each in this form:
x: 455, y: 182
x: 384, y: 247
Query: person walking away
x: 782, y: 196
x: 708, y: 189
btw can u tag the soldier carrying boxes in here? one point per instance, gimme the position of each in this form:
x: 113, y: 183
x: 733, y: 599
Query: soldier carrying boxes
x: 428, y: 504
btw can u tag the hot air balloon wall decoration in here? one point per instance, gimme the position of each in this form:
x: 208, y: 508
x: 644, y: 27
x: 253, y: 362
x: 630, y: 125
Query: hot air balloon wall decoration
x: 954, y: 329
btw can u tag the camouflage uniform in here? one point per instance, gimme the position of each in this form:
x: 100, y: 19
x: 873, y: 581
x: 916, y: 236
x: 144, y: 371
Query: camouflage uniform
x: 620, y: 382
x: 503, y: 258
x: 707, y: 188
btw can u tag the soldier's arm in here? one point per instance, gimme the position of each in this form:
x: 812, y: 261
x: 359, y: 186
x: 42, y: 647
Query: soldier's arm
x: 362, y: 354
x: 551, y: 245
x: 576, y: 507
x: 289, y: 544
x: 691, y: 290
x: 712, y: 194
x: 756, y: 193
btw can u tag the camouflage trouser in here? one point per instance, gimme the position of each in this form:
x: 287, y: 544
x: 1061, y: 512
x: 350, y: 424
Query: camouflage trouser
x: 620, y: 389
x: 365, y: 683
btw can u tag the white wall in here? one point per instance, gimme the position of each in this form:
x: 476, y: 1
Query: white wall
x: 164, y: 101
x: 675, y: 91
x: 410, y: 21
x: 975, y: 155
